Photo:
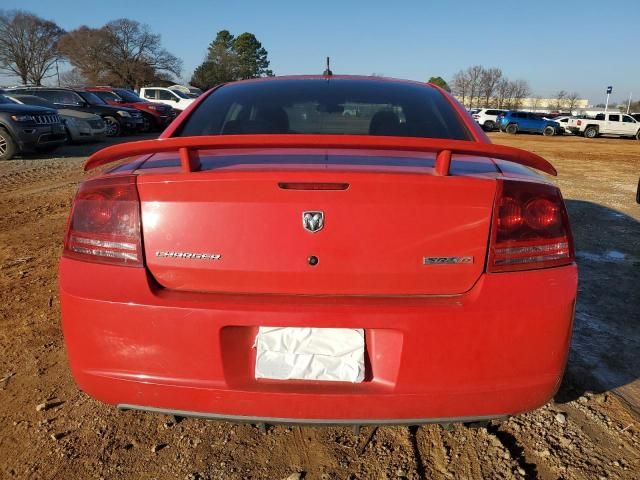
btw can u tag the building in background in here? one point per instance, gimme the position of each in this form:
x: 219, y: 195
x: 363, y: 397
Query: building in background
x: 533, y: 104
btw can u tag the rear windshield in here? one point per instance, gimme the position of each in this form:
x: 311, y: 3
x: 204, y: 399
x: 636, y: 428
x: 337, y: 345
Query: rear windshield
x: 91, y: 98
x: 106, y: 96
x: 319, y: 106
x: 33, y: 100
x: 180, y: 94
x: 127, y: 95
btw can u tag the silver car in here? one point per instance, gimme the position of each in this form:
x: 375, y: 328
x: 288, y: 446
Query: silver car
x: 80, y: 126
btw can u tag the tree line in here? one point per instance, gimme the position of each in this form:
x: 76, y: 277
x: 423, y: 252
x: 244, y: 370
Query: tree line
x: 482, y: 87
x: 123, y: 52
x: 478, y: 86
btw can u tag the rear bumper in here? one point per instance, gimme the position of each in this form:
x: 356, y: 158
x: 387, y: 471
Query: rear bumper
x: 311, y: 421
x: 500, y: 349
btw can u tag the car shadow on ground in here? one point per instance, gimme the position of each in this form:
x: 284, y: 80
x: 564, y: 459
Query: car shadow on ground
x: 74, y: 150
x: 606, y: 335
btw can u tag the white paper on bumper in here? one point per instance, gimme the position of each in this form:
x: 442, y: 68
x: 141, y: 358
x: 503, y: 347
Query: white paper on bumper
x: 330, y: 354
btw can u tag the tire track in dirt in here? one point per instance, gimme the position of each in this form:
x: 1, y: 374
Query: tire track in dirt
x: 516, y: 451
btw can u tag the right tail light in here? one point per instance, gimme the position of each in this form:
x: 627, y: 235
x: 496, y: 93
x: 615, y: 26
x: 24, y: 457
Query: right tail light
x: 530, y: 228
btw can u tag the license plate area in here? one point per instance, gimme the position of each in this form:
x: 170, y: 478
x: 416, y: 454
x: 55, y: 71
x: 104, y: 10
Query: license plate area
x: 383, y: 353
x: 313, y: 354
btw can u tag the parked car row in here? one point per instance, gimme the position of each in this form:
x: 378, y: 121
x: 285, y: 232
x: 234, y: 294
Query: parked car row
x: 76, y: 115
x: 80, y: 126
x: 155, y: 116
x: 512, y: 121
x: 26, y: 128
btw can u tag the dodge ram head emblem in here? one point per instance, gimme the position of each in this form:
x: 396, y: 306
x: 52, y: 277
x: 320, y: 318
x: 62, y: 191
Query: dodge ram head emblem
x: 313, y: 221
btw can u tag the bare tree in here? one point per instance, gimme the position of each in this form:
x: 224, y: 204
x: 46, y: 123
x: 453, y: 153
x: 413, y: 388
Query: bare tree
x: 460, y: 86
x: 561, y: 98
x: 138, y: 52
x: 84, y: 47
x: 519, y: 91
x: 488, y: 86
x: 474, y: 74
x: 503, y: 93
x: 535, y: 102
x: 123, y: 52
x: 73, y: 78
x: 572, y: 101
x: 489, y: 79
x: 28, y: 45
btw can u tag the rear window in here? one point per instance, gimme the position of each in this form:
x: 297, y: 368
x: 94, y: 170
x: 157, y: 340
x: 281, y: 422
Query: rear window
x: 166, y: 95
x: 33, y: 100
x: 319, y: 106
x: 91, y: 98
x: 127, y: 95
x: 106, y: 96
x: 59, y: 97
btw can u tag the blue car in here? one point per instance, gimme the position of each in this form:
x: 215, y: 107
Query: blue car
x: 514, y: 122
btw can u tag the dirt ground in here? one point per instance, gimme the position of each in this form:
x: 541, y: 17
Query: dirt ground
x: 50, y: 430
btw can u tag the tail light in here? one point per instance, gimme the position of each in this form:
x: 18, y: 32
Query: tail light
x: 530, y: 228
x: 104, y: 225
x: 476, y: 116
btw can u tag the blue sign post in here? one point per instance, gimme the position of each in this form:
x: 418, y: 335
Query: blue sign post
x: 606, y: 105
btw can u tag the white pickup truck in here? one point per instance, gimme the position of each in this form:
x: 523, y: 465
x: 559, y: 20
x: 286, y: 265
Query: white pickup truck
x: 167, y: 96
x: 617, y: 124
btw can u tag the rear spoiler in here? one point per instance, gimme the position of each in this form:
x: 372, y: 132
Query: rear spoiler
x: 187, y: 148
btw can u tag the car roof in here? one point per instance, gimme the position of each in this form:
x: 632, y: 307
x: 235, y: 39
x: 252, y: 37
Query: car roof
x: 40, y: 87
x: 370, y: 78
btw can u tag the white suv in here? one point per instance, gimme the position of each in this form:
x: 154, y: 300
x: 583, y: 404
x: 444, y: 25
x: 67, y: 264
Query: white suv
x: 487, y: 117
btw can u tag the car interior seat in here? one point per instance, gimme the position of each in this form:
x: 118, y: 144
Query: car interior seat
x: 385, y: 123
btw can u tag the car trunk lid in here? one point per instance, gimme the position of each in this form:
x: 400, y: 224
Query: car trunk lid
x: 389, y: 226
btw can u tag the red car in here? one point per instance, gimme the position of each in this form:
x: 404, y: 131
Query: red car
x: 154, y: 115
x: 323, y: 250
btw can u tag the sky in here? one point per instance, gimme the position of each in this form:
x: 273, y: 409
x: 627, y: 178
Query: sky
x: 554, y: 45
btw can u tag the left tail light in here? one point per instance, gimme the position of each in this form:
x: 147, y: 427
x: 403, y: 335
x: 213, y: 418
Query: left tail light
x: 104, y: 225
